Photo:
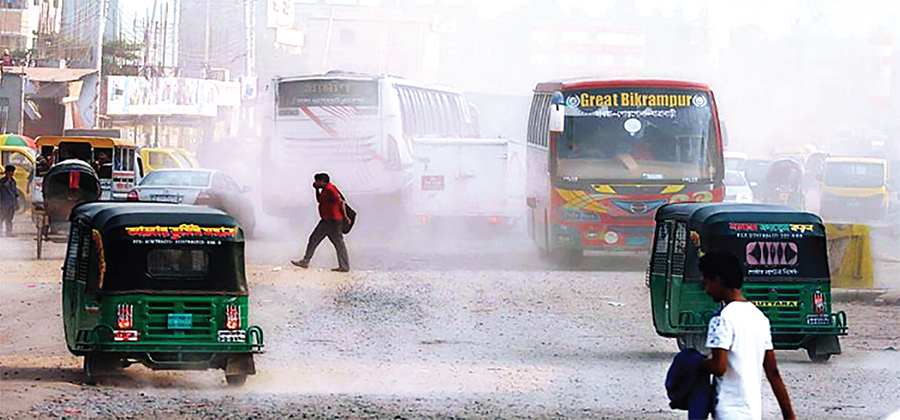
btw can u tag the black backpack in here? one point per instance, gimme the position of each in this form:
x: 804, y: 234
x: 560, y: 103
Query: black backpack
x: 349, y: 218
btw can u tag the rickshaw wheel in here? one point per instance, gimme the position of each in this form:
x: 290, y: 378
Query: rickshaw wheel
x: 817, y: 358
x: 236, y: 380
x: 41, y: 228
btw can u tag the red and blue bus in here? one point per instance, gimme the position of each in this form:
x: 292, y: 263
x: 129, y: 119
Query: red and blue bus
x: 604, y: 155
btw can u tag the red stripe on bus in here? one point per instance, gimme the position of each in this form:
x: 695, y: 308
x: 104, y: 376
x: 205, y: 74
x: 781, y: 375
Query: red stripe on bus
x: 315, y: 118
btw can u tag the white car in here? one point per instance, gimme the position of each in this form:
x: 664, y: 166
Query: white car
x: 734, y: 161
x: 197, y: 186
x: 737, y: 189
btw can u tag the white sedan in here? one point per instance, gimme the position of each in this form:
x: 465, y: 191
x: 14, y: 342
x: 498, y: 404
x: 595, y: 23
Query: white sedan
x: 197, y: 186
x: 737, y: 189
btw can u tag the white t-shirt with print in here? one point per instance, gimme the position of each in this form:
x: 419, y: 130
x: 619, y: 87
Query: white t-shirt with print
x: 744, y: 331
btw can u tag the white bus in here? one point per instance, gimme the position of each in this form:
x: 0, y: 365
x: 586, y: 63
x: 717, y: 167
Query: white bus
x: 359, y: 129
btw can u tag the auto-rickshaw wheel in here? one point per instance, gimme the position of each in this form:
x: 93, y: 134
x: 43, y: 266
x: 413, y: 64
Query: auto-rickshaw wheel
x: 236, y: 380
x: 97, y: 365
x: 817, y: 358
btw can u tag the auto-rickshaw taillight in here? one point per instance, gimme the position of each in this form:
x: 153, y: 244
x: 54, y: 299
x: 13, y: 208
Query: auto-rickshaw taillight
x: 125, y: 316
x: 819, y: 302
x: 232, y: 317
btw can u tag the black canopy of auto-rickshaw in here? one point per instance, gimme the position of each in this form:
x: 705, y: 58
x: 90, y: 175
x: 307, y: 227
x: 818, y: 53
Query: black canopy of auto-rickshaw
x: 126, y: 257
x: 733, y: 227
x: 700, y: 214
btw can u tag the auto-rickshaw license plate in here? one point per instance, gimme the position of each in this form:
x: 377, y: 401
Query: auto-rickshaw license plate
x: 180, y: 321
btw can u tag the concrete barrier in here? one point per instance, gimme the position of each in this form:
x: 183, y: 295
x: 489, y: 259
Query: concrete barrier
x: 850, y: 256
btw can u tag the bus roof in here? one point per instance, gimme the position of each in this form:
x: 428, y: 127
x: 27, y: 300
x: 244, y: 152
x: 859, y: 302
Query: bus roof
x: 94, y: 141
x: 350, y: 75
x: 598, y: 83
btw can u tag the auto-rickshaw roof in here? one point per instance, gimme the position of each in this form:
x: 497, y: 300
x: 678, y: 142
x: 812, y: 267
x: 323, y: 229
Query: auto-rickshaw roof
x: 105, y: 216
x: 105, y: 142
x: 707, y: 213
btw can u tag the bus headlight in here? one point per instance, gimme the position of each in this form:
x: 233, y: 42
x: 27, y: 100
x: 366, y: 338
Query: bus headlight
x: 611, y: 237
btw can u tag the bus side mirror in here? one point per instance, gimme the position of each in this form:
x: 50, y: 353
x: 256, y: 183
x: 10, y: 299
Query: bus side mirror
x: 557, y: 113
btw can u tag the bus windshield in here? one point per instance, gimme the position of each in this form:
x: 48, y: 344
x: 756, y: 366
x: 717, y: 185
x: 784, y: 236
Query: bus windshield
x: 638, y: 134
x: 854, y: 175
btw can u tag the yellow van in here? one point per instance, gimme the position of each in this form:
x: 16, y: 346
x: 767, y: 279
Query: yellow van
x: 154, y: 158
x: 25, y: 162
x: 854, y: 189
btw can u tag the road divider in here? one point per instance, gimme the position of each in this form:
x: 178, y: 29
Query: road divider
x: 850, y: 256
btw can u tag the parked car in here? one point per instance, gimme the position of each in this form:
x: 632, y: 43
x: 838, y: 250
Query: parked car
x: 197, y: 186
x: 737, y: 189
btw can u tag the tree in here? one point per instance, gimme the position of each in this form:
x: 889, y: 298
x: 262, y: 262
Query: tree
x: 121, y: 58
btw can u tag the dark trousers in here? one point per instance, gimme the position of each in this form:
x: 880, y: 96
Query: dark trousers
x: 331, y: 229
x: 7, y: 211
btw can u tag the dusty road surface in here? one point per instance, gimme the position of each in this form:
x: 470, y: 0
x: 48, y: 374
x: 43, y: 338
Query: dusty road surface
x: 474, y: 327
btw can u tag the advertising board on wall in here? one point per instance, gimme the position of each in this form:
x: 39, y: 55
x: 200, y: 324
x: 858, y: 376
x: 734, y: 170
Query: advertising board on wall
x: 163, y: 96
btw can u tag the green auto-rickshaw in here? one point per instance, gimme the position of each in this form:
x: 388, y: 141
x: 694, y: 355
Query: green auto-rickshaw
x: 157, y: 284
x: 786, y: 273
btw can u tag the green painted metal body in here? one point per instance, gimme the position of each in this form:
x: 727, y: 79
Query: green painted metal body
x: 170, y: 328
x: 681, y: 307
x: 93, y: 319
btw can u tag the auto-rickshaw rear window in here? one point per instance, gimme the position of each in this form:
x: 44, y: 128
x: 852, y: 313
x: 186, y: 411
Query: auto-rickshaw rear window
x: 178, y: 263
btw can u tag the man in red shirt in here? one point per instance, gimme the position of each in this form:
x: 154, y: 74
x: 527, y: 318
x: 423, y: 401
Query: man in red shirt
x: 332, y: 211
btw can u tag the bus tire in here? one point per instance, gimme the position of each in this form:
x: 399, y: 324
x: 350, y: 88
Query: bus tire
x: 567, y: 258
x: 573, y: 258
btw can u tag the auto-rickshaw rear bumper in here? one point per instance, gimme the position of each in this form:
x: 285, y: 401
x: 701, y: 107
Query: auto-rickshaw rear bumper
x: 693, y: 323
x: 103, y: 338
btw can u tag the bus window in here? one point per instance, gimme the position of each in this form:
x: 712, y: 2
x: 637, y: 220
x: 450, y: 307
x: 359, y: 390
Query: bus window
x: 427, y: 117
x: 442, y: 114
x: 404, y: 111
x: 459, y: 116
x: 421, y: 113
x: 531, y: 135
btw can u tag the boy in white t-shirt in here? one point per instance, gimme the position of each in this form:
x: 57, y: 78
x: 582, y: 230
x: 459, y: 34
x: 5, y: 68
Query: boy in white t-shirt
x: 740, y: 340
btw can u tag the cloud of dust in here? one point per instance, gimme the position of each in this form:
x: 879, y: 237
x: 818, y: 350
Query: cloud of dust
x: 786, y: 77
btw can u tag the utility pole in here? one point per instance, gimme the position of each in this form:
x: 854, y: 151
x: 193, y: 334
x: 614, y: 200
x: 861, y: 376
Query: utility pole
x: 98, y: 60
x: 206, y: 44
x: 97, y: 56
x: 250, y: 73
x: 165, y: 28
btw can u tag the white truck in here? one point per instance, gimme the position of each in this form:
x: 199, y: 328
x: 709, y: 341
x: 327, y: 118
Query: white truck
x: 477, y: 181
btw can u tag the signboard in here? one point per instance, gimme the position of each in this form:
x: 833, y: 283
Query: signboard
x: 279, y: 13
x: 128, y: 95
